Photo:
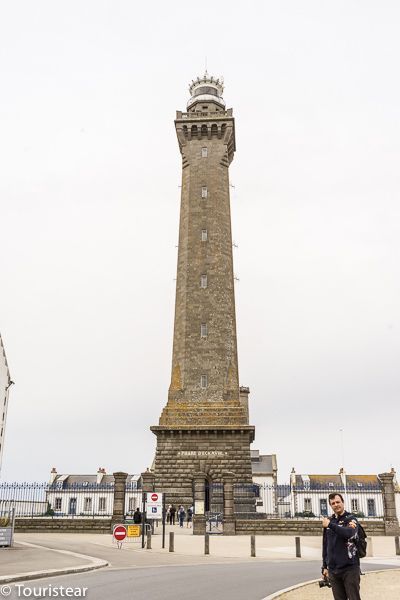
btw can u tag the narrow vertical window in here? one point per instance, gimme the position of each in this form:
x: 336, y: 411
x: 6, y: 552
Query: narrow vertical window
x: 204, y: 192
x: 204, y: 152
x: 203, y: 382
x: 203, y: 330
x: 204, y: 235
x: 203, y: 281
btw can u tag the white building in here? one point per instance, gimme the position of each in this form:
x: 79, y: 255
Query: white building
x: 5, y: 383
x: 89, y: 495
x: 362, y: 494
x: 265, y: 478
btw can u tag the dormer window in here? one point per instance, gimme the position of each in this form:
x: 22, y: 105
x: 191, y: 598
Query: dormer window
x: 204, y: 152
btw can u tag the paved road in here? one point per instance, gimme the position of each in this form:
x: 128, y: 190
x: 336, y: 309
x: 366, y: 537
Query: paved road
x: 238, y: 581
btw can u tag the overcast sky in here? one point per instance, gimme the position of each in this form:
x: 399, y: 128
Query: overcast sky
x: 89, y: 207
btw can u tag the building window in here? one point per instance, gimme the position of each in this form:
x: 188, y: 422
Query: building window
x: 102, y: 504
x: 371, y: 507
x: 203, y: 281
x: 203, y: 330
x: 204, y: 235
x: 57, y: 504
x: 87, y: 506
x: 204, y: 152
x: 203, y: 382
x: 354, y: 505
x: 307, y: 504
x: 204, y: 192
x: 323, y: 507
x: 132, y: 504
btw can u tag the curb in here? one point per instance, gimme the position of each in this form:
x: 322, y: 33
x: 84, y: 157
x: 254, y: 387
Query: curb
x: 279, y: 593
x: 96, y: 563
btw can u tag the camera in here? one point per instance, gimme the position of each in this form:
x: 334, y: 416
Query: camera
x: 324, y: 582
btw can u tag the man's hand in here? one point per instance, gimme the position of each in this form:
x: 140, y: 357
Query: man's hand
x: 325, y: 573
x: 325, y: 522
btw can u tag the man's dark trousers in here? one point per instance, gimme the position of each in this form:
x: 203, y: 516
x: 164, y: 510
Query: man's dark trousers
x: 346, y: 585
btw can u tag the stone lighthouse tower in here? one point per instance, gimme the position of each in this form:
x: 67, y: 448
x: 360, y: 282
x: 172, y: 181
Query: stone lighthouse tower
x: 204, y: 427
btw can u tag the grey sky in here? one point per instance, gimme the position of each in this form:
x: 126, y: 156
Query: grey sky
x: 89, y: 208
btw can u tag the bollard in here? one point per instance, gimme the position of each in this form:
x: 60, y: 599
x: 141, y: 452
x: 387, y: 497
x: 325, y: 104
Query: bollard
x: 252, y: 545
x: 298, y: 547
x: 171, y: 541
x: 148, y: 544
x: 370, y: 551
x: 397, y: 544
x: 206, y: 544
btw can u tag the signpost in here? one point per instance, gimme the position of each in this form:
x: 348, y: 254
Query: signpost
x: 154, y: 508
x: 119, y: 533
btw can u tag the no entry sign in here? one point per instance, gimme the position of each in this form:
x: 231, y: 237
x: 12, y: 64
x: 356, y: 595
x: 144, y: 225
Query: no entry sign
x: 154, y: 505
x: 119, y: 532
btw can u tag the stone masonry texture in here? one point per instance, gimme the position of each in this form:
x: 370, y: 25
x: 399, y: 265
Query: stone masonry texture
x: 204, y: 425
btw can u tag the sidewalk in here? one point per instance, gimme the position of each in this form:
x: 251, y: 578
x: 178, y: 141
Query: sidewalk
x: 26, y: 560
x: 382, y: 584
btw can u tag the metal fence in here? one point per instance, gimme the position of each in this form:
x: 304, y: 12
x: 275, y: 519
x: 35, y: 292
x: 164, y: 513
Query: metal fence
x: 309, y: 502
x: 58, y: 500
x: 96, y: 500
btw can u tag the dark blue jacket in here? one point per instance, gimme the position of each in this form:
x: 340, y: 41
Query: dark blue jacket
x: 338, y: 549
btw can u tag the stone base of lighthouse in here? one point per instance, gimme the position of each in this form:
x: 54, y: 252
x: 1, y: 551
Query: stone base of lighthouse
x: 185, y: 451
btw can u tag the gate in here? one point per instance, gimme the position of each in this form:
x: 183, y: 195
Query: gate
x: 214, y: 507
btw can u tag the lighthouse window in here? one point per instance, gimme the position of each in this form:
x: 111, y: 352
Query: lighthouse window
x: 203, y: 382
x: 203, y: 330
x: 204, y: 235
x: 204, y: 152
x: 204, y: 192
x: 203, y: 281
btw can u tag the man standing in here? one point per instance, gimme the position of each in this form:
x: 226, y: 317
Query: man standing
x: 341, y: 562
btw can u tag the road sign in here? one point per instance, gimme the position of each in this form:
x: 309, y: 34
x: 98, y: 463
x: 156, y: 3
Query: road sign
x: 133, y: 530
x: 154, y: 506
x: 119, y: 532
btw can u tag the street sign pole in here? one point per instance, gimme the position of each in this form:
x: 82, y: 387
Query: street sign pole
x: 143, y: 517
x: 163, y: 522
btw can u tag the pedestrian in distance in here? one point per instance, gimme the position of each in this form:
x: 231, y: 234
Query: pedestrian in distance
x: 181, y: 515
x: 172, y: 513
x: 189, y: 516
x: 137, y: 516
x: 169, y: 514
x: 340, y: 551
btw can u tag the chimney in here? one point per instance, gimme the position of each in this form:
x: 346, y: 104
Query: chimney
x: 293, y: 477
x: 53, y: 475
x: 342, y: 474
x: 100, y: 474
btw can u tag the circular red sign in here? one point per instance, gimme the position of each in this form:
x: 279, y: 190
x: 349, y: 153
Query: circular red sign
x: 119, y: 532
x: 154, y: 497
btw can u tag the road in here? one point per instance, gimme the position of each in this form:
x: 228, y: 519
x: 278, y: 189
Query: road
x: 237, y: 581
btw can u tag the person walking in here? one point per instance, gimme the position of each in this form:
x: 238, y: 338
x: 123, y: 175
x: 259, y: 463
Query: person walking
x: 340, y: 560
x: 172, y: 513
x: 168, y: 514
x: 189, y: 516
x: 181, y: 515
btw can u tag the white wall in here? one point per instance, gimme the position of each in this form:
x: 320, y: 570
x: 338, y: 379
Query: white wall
x: 4, y: 379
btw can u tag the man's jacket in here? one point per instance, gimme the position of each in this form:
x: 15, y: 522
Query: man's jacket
x: 339, y: 551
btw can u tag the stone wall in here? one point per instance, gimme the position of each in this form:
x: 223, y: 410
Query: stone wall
x: 48, y: 525
x: 295, y: 527
x: 181, y: 454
